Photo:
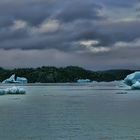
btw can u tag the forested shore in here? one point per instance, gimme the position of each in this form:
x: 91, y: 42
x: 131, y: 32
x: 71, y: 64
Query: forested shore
x: 63, y: 74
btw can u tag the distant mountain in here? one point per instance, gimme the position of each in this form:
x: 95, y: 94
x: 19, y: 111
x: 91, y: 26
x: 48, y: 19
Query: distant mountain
x: 63, y: 74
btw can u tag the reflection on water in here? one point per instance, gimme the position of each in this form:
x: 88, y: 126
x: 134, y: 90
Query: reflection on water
x: 71, y: 112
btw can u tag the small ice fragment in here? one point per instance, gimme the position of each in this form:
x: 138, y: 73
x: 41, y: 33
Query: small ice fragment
x: 83, y: 81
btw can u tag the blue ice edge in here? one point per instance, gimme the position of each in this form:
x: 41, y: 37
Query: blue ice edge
x: 12, y: 91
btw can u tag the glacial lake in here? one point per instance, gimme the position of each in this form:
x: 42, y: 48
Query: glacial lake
x: 71, y: 112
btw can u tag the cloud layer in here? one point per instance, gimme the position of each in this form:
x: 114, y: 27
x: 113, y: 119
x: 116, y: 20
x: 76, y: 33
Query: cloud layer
x: 82, y: 30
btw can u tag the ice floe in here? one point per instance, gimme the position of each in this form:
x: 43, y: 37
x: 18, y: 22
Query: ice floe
x: 12, y: 90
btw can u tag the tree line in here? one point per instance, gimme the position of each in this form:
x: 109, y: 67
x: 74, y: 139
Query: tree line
x: 63, y: 74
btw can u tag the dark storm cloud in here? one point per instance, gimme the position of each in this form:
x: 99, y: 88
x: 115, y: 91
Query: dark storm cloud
x: 107, y: 35
x: 78, y: 20
x: 75, y: 10
x: 34, y: 13
x: 120, y: 3
x: 125, y: 31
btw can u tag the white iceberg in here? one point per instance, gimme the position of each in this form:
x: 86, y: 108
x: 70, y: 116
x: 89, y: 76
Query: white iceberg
x: 21, y: 80
x: 12, y: 90
x: 10, y: 80
x: 83, y: 81
x: 14, y: 79
x: 133, y: 80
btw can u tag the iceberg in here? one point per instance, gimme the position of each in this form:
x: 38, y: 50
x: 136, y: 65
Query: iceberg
x: 94, y: 82
x: 83, y: 81
x: 14, y: 79
x: 10, y: 80
x: 21, y: 80
x: 2, y: 92
x: 136, y: 85
x: 133, y: 80
x: 12, y: 90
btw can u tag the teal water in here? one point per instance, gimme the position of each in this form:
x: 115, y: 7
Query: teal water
x: 71, y: 112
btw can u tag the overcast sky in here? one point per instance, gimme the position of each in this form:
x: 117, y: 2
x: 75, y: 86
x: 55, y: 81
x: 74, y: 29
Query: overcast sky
x: 94, y: 34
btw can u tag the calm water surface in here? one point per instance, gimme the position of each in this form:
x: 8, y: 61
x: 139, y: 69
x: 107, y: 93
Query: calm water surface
x: 71, y: 112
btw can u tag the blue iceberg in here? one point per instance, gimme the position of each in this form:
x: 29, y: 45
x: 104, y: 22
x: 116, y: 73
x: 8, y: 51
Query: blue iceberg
x: 136, y: 85
x: 133, y: 80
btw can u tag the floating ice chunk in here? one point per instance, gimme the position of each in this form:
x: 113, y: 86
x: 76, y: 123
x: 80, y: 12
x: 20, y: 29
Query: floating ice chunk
x: 83, y: 81
x: 10, y: 80
x: 12, y: 90
x: 132, y: 78
x: 15, y: 90
x: 136, y: 85
x: 22, y: 80
x: 94, y: 82
x: 2, y: 92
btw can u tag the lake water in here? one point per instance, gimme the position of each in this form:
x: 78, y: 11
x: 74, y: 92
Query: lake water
x: 71, y: 112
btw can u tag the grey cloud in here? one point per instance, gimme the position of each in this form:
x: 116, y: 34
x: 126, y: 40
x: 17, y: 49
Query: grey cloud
x: 77, y: 21
x: 75, y: 10
x: 126, y: 31
x: 120, y: 3
x: 106, y: 33
x: 34, y: 13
